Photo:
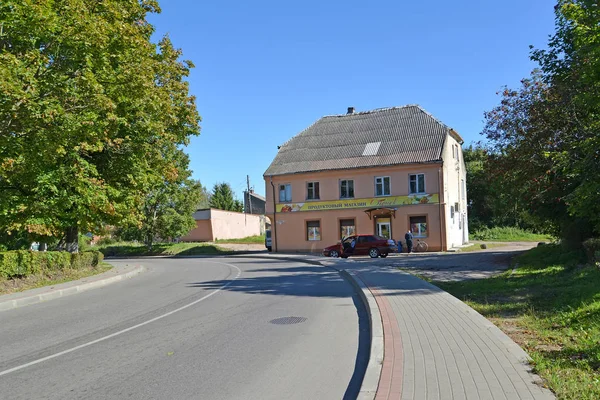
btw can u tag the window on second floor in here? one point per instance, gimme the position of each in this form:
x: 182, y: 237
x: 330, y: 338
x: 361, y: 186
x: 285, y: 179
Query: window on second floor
x: 416, y: 183
x: 382, y: 186
x: 285, y: 193
x: 312, y: 191
x: 346, y: 189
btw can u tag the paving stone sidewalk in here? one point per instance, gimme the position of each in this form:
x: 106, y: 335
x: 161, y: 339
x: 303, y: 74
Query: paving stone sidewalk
x: 437, y: 347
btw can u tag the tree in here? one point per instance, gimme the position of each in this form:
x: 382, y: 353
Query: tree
x: 546, y: 133
x: 168, y: 208
x: 222, y: 198
x: 90, y: 113
x: 571, y: 66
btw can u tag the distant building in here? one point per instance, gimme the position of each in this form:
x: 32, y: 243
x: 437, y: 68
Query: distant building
x: 213, y: 224
x: 254, y: 203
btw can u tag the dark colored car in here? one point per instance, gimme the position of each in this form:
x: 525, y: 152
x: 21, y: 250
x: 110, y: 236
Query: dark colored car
x: 371, y: 245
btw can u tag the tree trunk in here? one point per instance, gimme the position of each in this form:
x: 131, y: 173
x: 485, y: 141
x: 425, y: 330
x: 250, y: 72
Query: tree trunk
x: 149, y: 242
x: 72, y: 239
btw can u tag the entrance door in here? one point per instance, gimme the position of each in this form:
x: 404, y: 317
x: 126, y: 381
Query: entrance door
x: 384, y: 228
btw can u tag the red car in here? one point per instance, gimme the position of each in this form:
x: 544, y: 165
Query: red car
x: 372, y: 245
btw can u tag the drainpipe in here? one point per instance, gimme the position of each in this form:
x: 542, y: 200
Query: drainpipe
x: 273, y: 228
x: 442, y: 197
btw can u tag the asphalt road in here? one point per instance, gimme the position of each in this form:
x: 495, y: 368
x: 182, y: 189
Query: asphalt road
x: 203, y: 328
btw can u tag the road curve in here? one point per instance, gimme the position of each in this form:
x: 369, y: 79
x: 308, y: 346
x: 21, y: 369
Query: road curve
x: 203, y: 328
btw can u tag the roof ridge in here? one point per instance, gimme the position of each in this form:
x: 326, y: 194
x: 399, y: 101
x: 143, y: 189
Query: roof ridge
x: 373, y: 111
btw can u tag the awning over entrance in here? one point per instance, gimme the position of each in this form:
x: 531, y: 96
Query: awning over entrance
x: 380, y: 211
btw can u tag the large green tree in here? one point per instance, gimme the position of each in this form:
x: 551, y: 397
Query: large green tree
x: 223, y: 198
x: 167, y: 211
x: 547, y: 133
x: 90, y: 113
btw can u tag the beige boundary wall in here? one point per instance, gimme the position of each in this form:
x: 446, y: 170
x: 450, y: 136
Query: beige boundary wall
x: 213, y: 224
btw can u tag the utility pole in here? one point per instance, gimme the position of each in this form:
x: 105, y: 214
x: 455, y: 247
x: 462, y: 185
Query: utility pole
x: 249, y: 198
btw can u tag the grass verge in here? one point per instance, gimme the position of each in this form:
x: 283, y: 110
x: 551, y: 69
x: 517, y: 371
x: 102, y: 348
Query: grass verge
x: 550, y: 306
x: 8, y: 286
x: 258, y: 239
x: 130, y: 249
x: 509, y: 234
x: 477, y: 247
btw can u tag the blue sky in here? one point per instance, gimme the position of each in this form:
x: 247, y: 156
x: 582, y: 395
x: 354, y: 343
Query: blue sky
x: 266, y: 70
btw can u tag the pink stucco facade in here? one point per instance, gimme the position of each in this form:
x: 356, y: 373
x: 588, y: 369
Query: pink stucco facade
x: 295, y: 230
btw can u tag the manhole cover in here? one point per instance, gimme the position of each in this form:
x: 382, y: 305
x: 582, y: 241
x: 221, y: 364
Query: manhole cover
x: 287, y: 320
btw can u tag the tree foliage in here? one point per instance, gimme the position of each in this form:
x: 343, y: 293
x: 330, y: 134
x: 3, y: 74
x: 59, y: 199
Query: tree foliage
x: 167, y: 211
x: 546, y: 134
x: 90, y: 113
x: 222, y: 198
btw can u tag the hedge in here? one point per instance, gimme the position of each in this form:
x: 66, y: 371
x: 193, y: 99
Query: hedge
x: 21, y: 263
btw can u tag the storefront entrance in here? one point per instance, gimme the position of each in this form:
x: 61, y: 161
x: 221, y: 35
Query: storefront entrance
x: 383, y: 227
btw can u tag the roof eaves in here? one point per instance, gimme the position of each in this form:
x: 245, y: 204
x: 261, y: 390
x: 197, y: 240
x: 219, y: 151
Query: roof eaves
x: 438, y: 161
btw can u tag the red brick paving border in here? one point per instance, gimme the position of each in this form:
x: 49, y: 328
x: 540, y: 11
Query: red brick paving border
x: 390, y: 381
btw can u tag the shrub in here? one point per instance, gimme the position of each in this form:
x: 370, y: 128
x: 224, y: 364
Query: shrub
x: 106, y: 241
x: 23, y: 262
x: 592, y: 249
x: 506, y: 233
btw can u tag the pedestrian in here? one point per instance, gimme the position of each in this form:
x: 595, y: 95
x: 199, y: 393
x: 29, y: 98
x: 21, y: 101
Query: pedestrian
x: 409, y: 241
x: 350, y: 249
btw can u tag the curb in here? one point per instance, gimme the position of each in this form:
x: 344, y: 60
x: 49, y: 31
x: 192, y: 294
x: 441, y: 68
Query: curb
x: 370, y: 383
x: 67, y: 291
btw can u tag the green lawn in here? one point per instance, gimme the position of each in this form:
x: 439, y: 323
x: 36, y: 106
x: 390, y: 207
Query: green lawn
x: 550, y: 305
x: 258, y: 239
x: 49, y: 278
x: 130, y: 249
x: 509, y: 234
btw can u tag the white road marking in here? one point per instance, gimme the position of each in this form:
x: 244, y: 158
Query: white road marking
x: 112, y: 335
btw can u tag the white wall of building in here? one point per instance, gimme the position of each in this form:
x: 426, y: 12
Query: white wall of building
x: 455, y: 196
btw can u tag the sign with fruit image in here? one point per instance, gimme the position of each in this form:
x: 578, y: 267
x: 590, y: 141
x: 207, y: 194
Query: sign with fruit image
x: 373, y: 202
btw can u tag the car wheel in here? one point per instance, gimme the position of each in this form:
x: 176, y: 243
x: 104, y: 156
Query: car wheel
x: 374, y: 253
x: 384, y: 255
x: 334, y: 254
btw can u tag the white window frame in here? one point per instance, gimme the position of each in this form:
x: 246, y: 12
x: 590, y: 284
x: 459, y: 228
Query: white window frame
x: 347, y: 189
x: 417, y: 183
x: 419, y: 234
x: 313, y: 233
x: 342, y: 227
x: 382, y: 183
x: 287, y: 192
x: 316, y: 194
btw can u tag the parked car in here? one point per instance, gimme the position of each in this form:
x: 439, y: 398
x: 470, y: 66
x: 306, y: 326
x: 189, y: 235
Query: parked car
x: 372, y: 245
x: 268, y: 239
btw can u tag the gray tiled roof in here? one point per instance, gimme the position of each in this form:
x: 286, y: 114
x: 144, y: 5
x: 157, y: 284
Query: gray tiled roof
x: 407, y: 134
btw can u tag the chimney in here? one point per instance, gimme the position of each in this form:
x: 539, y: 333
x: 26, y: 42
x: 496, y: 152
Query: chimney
x: 350, y: 110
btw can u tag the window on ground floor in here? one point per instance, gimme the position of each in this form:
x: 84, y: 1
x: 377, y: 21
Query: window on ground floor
x: 347, y: 227
x: 313, y: 230
x: 418, y: 226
